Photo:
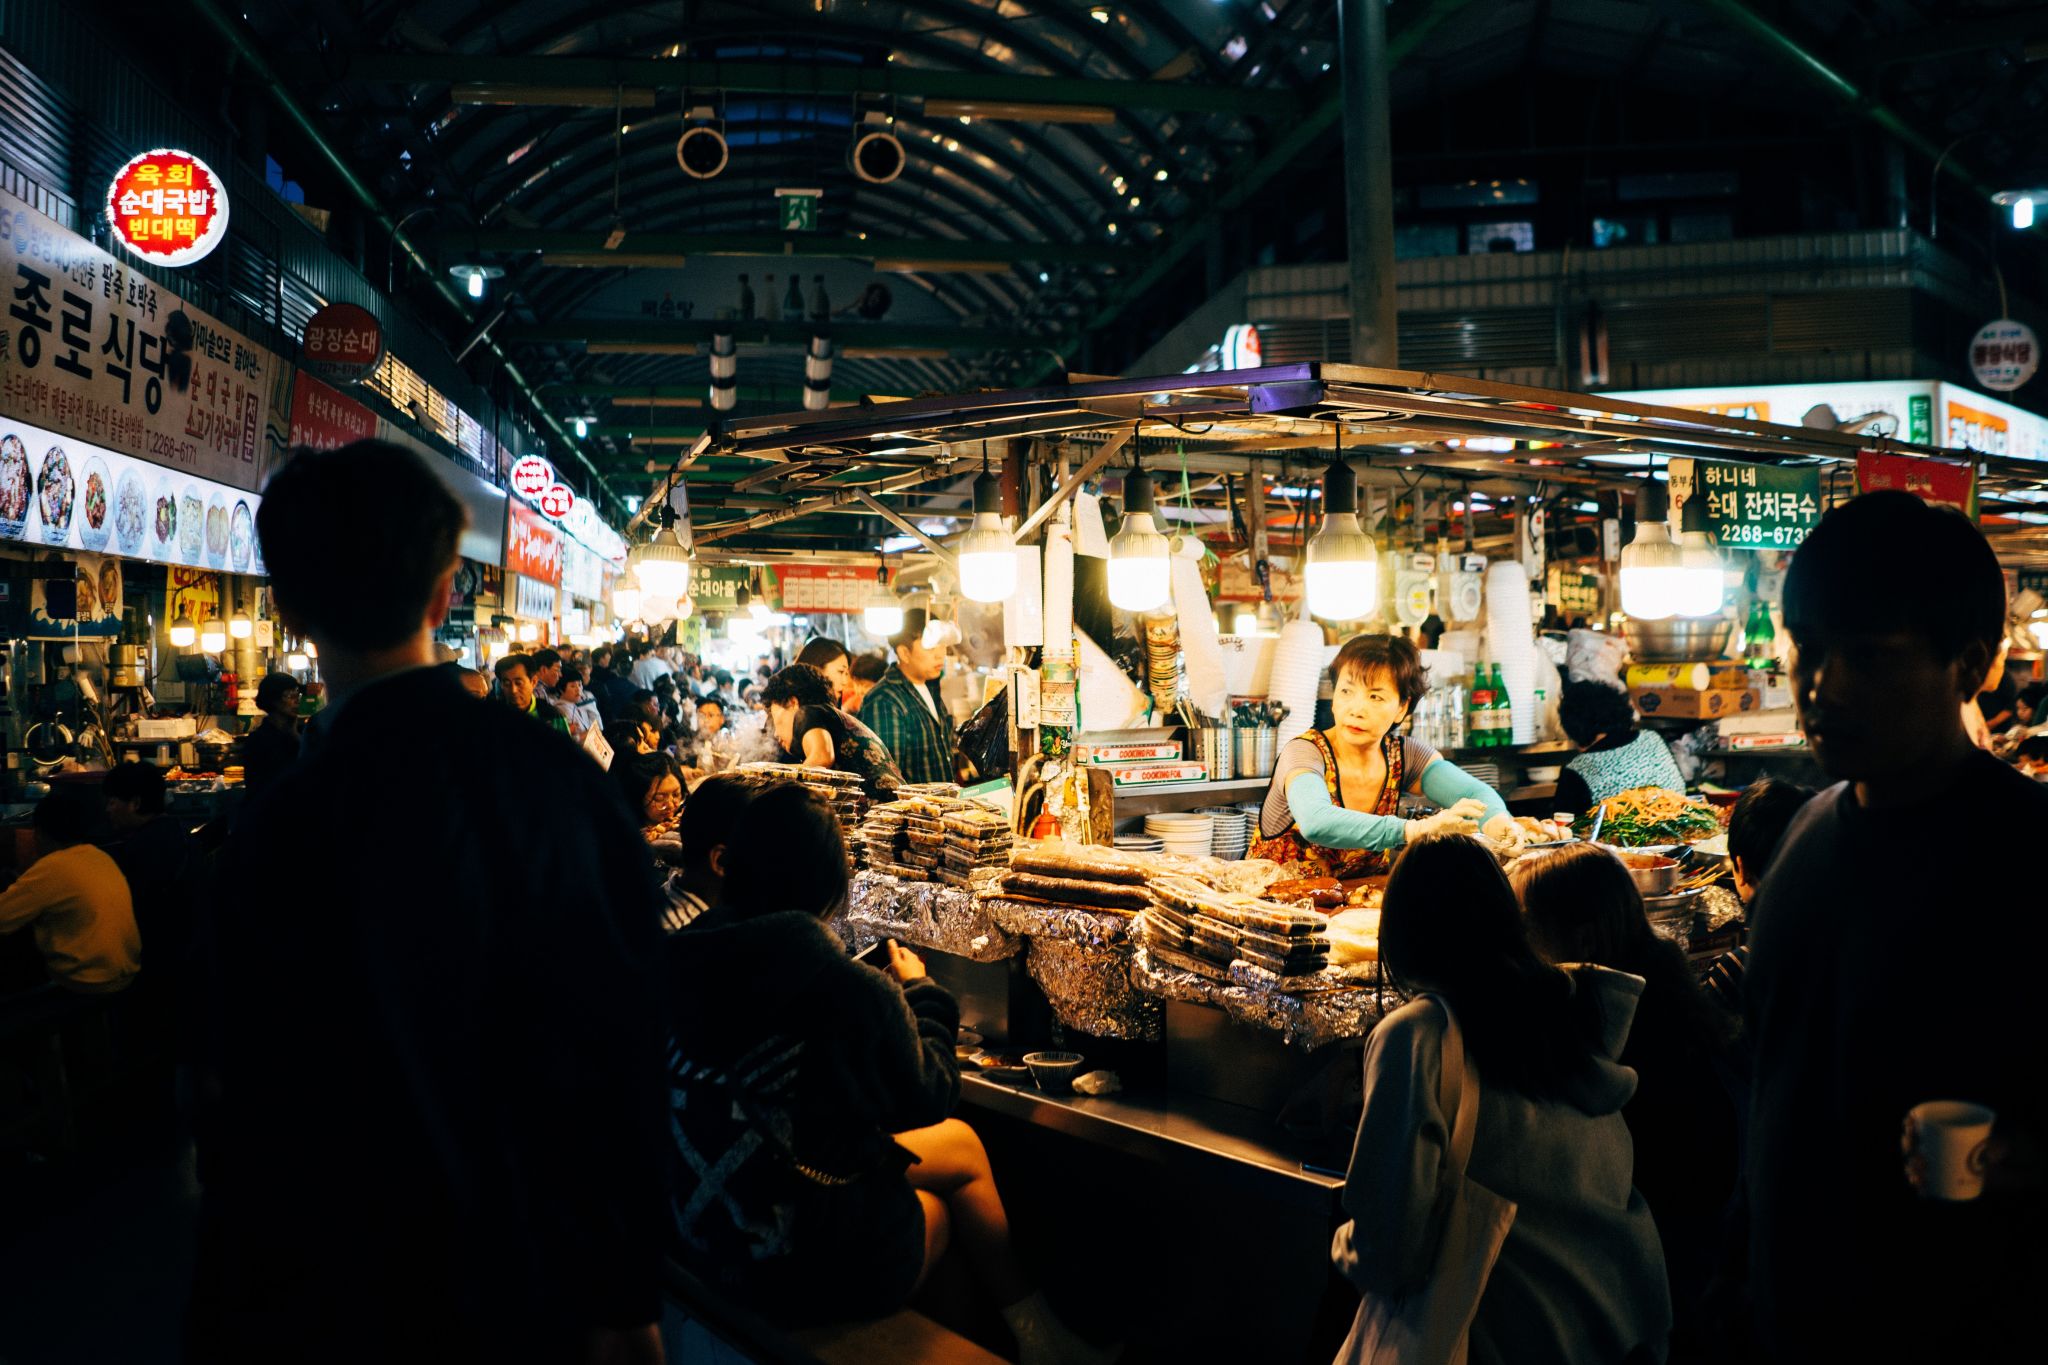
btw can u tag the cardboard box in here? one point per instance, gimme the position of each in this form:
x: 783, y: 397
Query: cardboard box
x: 1688, y: 703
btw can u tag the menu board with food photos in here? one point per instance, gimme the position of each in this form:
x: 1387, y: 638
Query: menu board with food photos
x: 67, y: 494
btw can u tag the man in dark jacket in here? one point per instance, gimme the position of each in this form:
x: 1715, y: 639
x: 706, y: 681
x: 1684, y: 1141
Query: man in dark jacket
x: 613, y: 691
x: 433, y: 1117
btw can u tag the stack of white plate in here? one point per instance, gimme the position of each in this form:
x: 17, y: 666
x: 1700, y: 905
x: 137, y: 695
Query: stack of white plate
x: 1230, y: 833
x: 1189, y: 835
x: 1489, y: 773
x: 1140, y: 843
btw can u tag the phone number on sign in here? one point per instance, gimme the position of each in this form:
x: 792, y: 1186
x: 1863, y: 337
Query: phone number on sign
x: 1777, y: 537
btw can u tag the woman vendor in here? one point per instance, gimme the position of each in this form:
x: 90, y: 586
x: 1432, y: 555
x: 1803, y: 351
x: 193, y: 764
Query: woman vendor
x: 812, y: 729
x: 1616, y: 756
x: 1330, y: 809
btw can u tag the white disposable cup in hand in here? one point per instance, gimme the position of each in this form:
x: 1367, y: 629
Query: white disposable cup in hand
x: 1951, y: 1136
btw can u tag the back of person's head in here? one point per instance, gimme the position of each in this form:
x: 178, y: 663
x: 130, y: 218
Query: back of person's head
x: 473, y: 681
x: 505, y: 665
x: 601, y: 657
x: 785, y: 853
x: 801, y: 683
x: 270, y: 693
x: 638, y: 774
x: 1582, y: 906
x: 544, y: 658
x: 1888, y: 562
x: 1762, y: 814
x: 1449, y: 923
x: 62, y: 821
x: 397, y: 547
x: 869, y: 668
x: 711, y: 812
x: 141, y: 783
x: 1588, y: 710
x: 820, y: 652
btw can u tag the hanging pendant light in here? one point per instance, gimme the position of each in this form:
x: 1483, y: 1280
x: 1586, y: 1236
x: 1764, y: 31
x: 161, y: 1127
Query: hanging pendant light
x: 1343, y: 563
x: 213, y: 635
x: 882, y: 614
x: 240, y: 626
x: 662, y: 568
x: 1139, y: 565
x: 986, y: 556
x: 626, y: 598
x: 1652, y: 567
x: 184, y: 631
x: 1701, y: 585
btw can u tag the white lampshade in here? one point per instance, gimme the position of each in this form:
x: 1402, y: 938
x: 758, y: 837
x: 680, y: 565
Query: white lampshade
x: 184, y: 631
x: 213, y: 635
x: 1343, y: 576
x: 882, y: 615
x: 240, y: 626
x: 297, y: 662
x: 662, y: 568
x: 654, y: 608
x: 1701, y: 584
x: 986, y: 555
x: 1652, y: 566
x: 312, y: 650
x: 626, y: 600
x: 1245, y: 621
x: 1140, y: 566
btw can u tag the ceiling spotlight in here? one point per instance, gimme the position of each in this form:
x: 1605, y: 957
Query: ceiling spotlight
x: 475, y: 276
x: 2022, y: 203
x: 582, y: 428
x: 1099, y: 13
x: 701, y: 150
x: 876, y: 156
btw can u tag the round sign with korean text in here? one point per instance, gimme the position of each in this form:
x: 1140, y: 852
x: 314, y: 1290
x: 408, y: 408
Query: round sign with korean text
x: 167, y: 207
x: 344, y: 342
x: 531, y: 477
x: 2004, y: 355
x: 556, y: 500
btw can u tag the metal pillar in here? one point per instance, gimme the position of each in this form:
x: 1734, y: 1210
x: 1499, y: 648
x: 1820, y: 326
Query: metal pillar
x: 1368, y: 179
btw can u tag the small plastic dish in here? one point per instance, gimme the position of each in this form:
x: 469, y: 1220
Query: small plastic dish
x: 1054, y: 1071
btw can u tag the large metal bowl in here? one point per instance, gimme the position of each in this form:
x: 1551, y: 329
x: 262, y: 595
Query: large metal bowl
x: 1677, y: 639
x: 1653, y: 874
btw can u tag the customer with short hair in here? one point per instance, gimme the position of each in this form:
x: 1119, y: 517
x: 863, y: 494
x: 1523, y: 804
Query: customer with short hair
x: 1580, y: 1276
x: 433, y: 1120
x: 158, y: 857
x: 1896, y: 609
x: 904, y: 713
x: 866, y: 670
x: 702, y: 833
x: 613, y: 691
x: 75, y: 900
x: 1756, y: 826
x: 814, y: 731
x: 516, y: 689
x: 818, y: 1175
x: 273, y: 745
x: 571, y: 703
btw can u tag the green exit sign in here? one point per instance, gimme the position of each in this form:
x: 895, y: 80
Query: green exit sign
x: 797, y: 209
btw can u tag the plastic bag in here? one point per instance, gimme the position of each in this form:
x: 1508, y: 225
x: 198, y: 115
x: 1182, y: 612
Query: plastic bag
x: 984, y: 741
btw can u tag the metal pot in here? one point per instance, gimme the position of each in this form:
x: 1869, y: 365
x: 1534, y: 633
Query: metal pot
x: 1677, y: 639
x: 1653, y: 874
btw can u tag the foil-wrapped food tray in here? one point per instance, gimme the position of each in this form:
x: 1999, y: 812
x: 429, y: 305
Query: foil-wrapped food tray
x: 1091, y: 990
x: 1307, y: 1020
x: 944, y: 919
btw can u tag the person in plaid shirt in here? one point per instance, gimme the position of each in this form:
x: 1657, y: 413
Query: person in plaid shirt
x: 904, y: 713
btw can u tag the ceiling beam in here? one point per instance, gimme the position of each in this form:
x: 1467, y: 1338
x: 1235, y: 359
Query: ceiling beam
x: 599, y: 81
x: 2025, y: 30
x: 634, y: 332
x: 587, y: 249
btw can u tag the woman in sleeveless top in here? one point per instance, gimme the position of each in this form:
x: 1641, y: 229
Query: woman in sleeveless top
x: 1329, y: 811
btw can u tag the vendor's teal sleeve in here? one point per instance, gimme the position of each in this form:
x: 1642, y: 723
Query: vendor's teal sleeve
x: 1446, y: 784
x: 1324, y: 822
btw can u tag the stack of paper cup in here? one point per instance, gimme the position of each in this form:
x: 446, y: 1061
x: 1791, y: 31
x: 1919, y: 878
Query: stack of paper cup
x: 1200, y: 650
x: 1511, y: 639
x: 1297, y: 665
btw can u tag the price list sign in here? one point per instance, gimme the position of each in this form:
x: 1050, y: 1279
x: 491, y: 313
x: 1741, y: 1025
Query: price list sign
x: 1751, y: 506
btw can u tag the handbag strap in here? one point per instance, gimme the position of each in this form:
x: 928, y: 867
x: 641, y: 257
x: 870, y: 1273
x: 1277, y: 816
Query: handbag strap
x: 1457, y: 1091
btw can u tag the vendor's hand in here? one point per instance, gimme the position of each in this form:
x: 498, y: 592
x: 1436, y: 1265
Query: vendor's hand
x: 904, y: 965
x: 1504, y: 829
x: 1457, y: 820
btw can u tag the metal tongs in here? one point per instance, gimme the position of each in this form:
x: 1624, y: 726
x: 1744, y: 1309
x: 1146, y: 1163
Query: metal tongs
x: 1598, y: 820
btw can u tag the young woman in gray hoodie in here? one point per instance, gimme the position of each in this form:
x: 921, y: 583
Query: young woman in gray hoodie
x: 1580, y: 1279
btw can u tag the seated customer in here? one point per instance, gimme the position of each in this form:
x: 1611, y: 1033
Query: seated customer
x: 1615, y: 756
x: 1582, y: 906
x: 157, y: 854
x: 77, y: 901
x: 818, y: 1176
x: 1580, y: 1276
x: 653, y: 790
x: 697, y: 853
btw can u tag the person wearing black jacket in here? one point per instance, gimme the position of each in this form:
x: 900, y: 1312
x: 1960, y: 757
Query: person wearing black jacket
x: 818, y: 1175
x: 614, y: 692
x: 432, y: 1122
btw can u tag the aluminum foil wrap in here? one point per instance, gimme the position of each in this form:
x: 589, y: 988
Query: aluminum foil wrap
x: 1090, y: 989
x: 945, y: 919
x: 1305, y: 1021
x: 1067, y: 923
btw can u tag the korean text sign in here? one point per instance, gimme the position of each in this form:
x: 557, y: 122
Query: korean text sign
x: 168, y: 207
x: 325, y: 419
x: 533, y: 547
x: 1751, y: 506
x: 1935, y: 481
x: 94, y: 349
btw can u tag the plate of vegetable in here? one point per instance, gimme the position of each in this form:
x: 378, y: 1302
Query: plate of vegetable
x: 1652, y: 815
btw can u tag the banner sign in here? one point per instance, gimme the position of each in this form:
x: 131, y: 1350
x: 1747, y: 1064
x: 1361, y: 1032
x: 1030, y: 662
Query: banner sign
x: 61, y: 492
x: 824, y: 587
x: 1936, y: 481
x: 94, y: 349
x: 716, y: 587
x: 1751, y: 507
x: 582, y: 572
x: 344, y: 342
x: 533, y: 548
x: 326, y: 419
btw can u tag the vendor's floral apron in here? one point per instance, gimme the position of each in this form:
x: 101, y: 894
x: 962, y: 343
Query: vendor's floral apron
x: 1304, y: 859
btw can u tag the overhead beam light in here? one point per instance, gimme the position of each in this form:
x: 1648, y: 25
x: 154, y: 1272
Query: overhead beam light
x: 474, y: 277
x: 876, y: 155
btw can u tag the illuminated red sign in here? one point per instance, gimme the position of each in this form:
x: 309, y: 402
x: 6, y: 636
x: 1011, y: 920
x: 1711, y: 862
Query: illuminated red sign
x: 343, y: 342
x: 531, y: 477
x: 556, y: 500
x: 167, y: 206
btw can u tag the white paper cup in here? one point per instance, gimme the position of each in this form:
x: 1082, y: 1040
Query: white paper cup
x: 1951, y: 1139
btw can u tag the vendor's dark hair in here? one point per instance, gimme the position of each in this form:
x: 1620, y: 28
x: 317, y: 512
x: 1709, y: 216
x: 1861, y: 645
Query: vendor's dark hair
x: 271, y: 690
x: 1582, y: 906
x: 1449, y: 923
x: 869, y: 668
x: 1887, y: 561
x: 639, y: 774
x: 801, y: 683
x: 1588, y: 710
x: 313, y: 517
x: 785, y: 852
x: 133, y: 780
x: 712, y: 811
x: 1756, y: 826
x: 1366, y: 654
x: 819, y: 652
x: 510, y: 662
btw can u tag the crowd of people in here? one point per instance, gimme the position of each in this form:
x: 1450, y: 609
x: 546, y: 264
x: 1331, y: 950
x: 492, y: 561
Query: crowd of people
x: 498, y: 1062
